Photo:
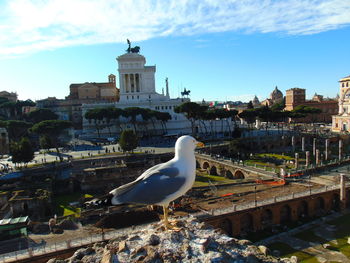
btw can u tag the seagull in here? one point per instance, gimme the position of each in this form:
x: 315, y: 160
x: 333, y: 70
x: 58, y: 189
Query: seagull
x: 162, y: 183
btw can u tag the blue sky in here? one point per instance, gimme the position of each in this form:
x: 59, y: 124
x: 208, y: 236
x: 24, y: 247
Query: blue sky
x: 220, y: 50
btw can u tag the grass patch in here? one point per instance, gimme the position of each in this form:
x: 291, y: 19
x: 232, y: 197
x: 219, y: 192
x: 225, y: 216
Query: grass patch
x: 310, y: 236
x: 287, y: 251
x: 276, y: 156
x: 62, y: 207
x: 202, y: 179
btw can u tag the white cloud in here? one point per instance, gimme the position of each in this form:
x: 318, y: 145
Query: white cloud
x: 33, y: 25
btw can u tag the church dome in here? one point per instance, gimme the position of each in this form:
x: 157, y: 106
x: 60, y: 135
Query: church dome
x: 276, y: 94
x: 256, y: 101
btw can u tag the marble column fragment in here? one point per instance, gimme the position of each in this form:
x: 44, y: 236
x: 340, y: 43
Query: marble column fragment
x: 303, y: 144
x: 314, y: 147
x: 340, y: 149
x: 326, y: 152
x: 296, y: 161
x: 307, y: 158
x: 317, y: 156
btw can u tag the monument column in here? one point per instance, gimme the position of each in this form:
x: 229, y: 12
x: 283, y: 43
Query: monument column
x: 317, y: 156
x: 307, y: 159
x: 326, y: 151
x: 293, y: 143
x: 314, y: 147
x: 296, y: 160
x: 134, y: 77
x: 124, y: 82
x: 303, y: 144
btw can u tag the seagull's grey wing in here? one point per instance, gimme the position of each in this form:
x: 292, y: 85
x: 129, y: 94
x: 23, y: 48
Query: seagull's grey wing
x: 150, y: 188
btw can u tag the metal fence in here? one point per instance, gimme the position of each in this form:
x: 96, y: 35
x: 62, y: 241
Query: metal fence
x: 57, y: 246
x: 259, y: 203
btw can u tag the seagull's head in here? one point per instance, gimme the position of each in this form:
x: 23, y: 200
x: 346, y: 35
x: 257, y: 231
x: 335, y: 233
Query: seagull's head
x: 186, y: 145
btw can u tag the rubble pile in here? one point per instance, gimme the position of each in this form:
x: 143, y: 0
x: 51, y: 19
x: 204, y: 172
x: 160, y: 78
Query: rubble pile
x: 195, y: 242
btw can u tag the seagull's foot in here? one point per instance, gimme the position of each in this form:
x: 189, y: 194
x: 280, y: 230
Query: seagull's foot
x: 172, y: 227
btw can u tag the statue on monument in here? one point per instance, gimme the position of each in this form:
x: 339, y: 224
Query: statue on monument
x: 130, y: 49
x: 185, y: 93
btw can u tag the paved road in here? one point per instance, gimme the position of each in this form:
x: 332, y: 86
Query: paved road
x: 82, y: 151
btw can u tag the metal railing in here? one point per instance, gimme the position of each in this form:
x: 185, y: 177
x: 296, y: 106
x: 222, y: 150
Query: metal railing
x: 57, y: 246
x: 259, y: 203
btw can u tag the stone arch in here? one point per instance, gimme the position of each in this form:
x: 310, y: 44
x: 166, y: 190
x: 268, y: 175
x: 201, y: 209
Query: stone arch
x: 226, y: 226
x: 303, y: 209
x: 213, y: 170
x: 319, y: 206
x: 336, y: 202
x: 229, y: 174
x: 247, y: 225
x: 239, y: 174
x: 266, y: 218
x: 285, y: 214
x: 205, y: 165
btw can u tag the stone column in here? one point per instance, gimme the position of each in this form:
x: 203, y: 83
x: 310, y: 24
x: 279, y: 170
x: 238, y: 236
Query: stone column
x: 342, y: 191
x: 314, y: 147
x: 296, y: 161
x: 317, y: 156
x: 307, y: 159
x: 293, y: 143
x: 282, y: 172
x: 134, y: 76
x: 326, y: 152
x: 303, y: 144
x: 125, y: 83
x: 340, y: 149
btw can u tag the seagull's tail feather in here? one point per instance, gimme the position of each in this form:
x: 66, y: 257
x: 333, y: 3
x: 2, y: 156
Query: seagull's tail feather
x: 99, y: 202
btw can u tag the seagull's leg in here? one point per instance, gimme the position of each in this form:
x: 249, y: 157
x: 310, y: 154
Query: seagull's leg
x: 166, y: 222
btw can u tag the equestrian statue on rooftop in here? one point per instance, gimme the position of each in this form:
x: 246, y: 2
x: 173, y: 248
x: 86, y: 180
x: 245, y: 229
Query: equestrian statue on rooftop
x: 130, y: 49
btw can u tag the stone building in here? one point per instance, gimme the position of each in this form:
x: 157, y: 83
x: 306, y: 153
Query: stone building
x: 11, y: 96
x: 296, y: 97
x: 341, y: 121
x: 70, y: 108
x: 137, y: 89
x: 276, y: 96
x: 93, y: 92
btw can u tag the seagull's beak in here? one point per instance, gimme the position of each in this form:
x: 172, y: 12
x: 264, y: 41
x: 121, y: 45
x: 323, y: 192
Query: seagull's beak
x: 200, y: 144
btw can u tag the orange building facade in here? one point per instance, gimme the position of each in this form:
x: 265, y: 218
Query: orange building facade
x: 297, y: 96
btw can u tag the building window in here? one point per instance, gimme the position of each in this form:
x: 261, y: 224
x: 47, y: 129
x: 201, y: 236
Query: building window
x: 138, y: 97
x: 127, y: 97
x: 132, y: 97
x: 162, y: 108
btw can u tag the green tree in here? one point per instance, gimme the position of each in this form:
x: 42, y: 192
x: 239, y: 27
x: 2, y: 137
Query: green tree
x: 97, y: 116
x: 128, y: 141
x: 39, y: 115
x: 16, y: 129
x: 52, y: 129
x: 45, y: 142
x: 22, y: 151
x: 191, y: 110
x: 132, y: 113
x: 248, y: 115
x: 163, y: 117
x: 250, y: 105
